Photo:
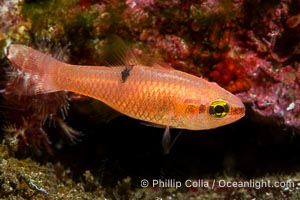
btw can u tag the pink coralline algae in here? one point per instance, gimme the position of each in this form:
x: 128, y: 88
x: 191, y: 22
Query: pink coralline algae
x: 274, y: 92
x: 247, y: 47
x: 140, y: 3
x: 262, y: 61
x: 171, y: 46
x: 152, y: 4
x: 272, y: 66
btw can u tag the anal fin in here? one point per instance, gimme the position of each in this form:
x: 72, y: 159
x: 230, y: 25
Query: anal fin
x: 167, y: 142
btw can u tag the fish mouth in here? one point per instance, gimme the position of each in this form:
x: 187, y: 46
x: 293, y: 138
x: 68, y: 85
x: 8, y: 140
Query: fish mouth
x: 235, y: 113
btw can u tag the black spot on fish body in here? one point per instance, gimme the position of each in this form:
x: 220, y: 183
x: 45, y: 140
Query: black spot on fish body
x: 126, y: 73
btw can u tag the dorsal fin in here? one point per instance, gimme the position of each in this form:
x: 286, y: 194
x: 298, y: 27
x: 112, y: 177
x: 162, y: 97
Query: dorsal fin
x: 152, y: 62
x: 117, y: 52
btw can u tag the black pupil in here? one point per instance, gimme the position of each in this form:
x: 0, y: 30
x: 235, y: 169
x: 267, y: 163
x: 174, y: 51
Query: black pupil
x: 219, y: 109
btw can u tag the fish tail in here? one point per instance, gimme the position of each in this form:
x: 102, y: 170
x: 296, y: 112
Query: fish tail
x: 38, y: 70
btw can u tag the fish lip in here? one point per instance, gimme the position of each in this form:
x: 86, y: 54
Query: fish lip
x: 243, y: 112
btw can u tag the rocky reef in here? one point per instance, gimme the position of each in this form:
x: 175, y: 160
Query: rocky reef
x: 59, y: 145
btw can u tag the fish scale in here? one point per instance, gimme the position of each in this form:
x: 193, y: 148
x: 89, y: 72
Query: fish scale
x: 141, y: 102
x: 158, y: 95
x: 141, y: 96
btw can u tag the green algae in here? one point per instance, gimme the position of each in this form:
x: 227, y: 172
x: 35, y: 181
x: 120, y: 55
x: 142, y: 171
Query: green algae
x: 85, y: 28
x: 49, y: 19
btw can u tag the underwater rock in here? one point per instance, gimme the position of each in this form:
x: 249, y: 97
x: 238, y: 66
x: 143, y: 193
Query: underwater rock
x: 251, y: 48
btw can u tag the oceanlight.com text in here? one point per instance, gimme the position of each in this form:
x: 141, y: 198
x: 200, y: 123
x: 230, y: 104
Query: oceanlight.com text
x: 215, y: 183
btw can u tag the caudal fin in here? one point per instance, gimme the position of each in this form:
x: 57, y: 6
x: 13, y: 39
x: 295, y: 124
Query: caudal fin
x: 39, y: 70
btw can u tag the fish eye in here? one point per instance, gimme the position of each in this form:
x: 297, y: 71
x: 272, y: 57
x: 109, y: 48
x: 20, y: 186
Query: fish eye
x: 218, y: 108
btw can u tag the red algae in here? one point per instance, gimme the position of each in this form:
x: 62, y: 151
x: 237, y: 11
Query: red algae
x: 230, y: 75
x: 251, y: 48
x: 273, y: 92
x: 242, y: 49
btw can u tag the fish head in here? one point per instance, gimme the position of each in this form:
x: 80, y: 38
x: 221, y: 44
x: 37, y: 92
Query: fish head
x: 218, y: 108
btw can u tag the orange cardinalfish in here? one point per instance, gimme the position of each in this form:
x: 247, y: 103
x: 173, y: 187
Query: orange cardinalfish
x: 161, y: 96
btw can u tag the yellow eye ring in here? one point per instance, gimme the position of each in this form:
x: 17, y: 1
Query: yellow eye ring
x: 218, y: 108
